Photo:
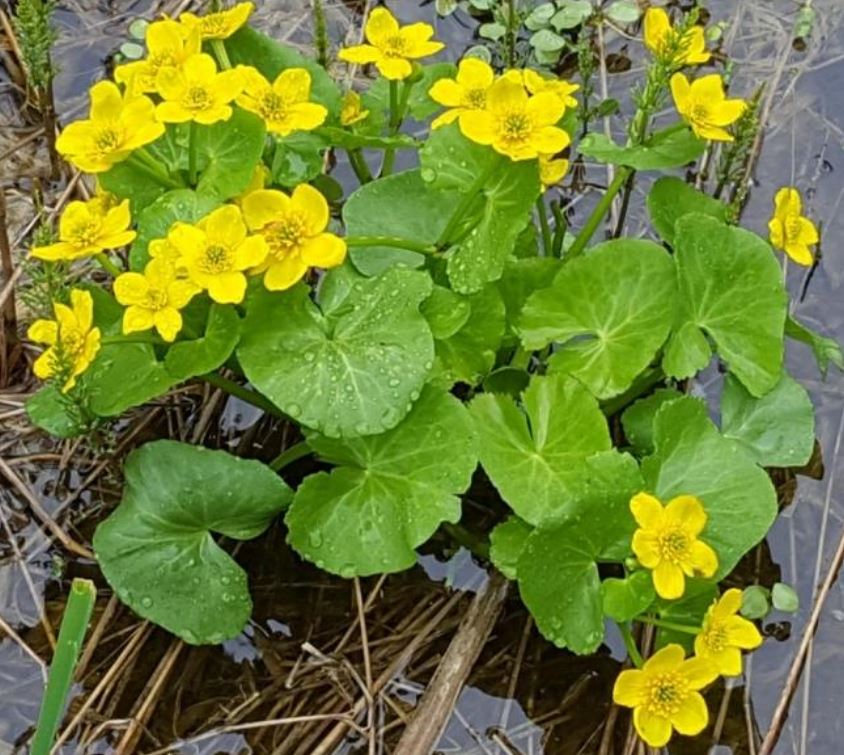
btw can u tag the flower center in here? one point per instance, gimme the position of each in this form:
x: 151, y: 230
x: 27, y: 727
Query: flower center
x: 516, y: 126
x: 217, y: 259
x: 158, y: 60
x: 715, y: 637
x: 673, y: 544
x: 285, y: 235
x: 272, y: 106
x: 71, y: 342
x: 395, y: 46
x: 476, y: 98
x: 86, y: 233
x: 107, y: 140
x: 156, y: 298
x: 214, y: 25
x: 666, y: 693
x: 197, y: 98
x: 792, y: 226
x: 700, y: 113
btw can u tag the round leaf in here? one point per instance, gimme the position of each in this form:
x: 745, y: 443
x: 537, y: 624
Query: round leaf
x: 624, y: 599
x: 156, y: 548
x: 354, y: 370
x: 670, y: 198
x: 389, y: 493
x: 506, y: 543
x: 606, y: 339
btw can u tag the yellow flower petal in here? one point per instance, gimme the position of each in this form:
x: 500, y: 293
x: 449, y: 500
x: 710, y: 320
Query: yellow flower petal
x: 227, y: 288
x: 646, y: 548
x: 260, y: 208
x: 787, y: 202
x: 251, y: 252
x: 687, y: 510
x: 478, y: 126
x: 703, y: 560
x: 283, y: 274
x: 630, y: 688
x: 380, y: 27
x: 83, y: 308
x: 168, y: 323
x: 45, y: 366
x: 473, y: 73
x: 137, y: 319
x: 728, y: 604
x: 43, y: 331
x: 742, y: 633
x: 665, y: 659
x: 699, y: 672
x: 131, y: 288
x: 656, y: 28
x: 312, y: 205
x: 359, y: 54
x: 669, y: 581
x: 692, y: 716
x: 647, y: 510
x: 325, y: 250
x: 394, y: 69
x: 655, y: 730
x: 446, y: 92
x: 224, y: 225
x: 680, y: 91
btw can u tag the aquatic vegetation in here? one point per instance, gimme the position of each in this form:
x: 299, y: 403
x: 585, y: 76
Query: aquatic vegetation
x: 429, y: 323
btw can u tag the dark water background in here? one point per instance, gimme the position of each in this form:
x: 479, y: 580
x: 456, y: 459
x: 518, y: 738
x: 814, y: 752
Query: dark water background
x: 802, y: 147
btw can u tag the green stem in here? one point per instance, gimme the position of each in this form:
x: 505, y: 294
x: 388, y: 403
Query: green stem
x: 192, y: 153
x: 642, y: 384
x: 630, y: 644
x: 521, y: 358
x: 398, y: 106
x: 547, y: 239
x: 684, y: 628
x: 148, y: 165
x: 219, y: 48
x: 289, y: 455
x: 77, y: 614
x: 598, y: 214
x: 560, y: 225
x: 413, y: 246
x: 149, y: 338
x: 466, y: 202
x: 107, y: 265
x: 243, y: 393
x: 359, y: 166
x: 468, y: 540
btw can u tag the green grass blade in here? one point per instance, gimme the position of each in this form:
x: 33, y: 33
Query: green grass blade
x: 77, y: 614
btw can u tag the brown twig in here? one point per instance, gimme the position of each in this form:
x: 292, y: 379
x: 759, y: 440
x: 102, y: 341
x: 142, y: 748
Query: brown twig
x: 432, y: 713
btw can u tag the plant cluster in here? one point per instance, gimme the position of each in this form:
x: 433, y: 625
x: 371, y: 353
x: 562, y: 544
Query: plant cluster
x: 430, y: 321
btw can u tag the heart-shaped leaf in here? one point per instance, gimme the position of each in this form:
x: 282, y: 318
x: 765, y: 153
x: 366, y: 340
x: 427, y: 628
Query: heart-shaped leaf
x: 730, y: 287
x: 156, y: 549
x: 389, y: 493
x: 609, y: 310
x: 670, y: 198
x: 353, y: 368
x: 665, y: 149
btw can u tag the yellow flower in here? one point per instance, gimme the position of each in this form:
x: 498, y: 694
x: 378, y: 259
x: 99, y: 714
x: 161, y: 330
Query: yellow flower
x: 464, y: 93
x: 169, y: 44
x: 164, y: 251
x: 724, y: 635
x: 219, y: 25
x: 790, y: 231
x: 72, y: 340
x: 294, y: 229
x: 536, y: 83
x: 667, y: 542
x: 197, y: 91
x: 516, y: 125
x: 84, y: 230
x: 551, y: 171
x: 660, y: 38
x: 284, y: 105
x: 116, y: 126
x: 664, y: 695
x: 391, y: 47
x: 216, y: 251
x: 704, y: 106
x: 153, y: 300
x: 352, y: 111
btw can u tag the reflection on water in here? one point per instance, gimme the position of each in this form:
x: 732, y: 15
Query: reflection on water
x: 524, y: 696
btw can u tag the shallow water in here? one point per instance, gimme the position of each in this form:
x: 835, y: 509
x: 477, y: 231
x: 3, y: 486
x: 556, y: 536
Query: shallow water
x: 559, y: 702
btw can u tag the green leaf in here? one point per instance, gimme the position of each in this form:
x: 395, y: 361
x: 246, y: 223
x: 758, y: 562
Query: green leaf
x: 389, y: 492
x: 227, y: 153
x: 688, y: 610
x: 445, y: 311
x: 825, y: 349
x: 540, y: 16
x: 401, y: 205
x: 665, y: 149
x: 546, y: 40
x: 468, y: 355
x: 755, y: 602
x: 693, y: 458
x: 493, y: 31
x: 572, y: 13
x: 624, y: 12
x: 352, y: 370
x: 605, y: 340
x: 247, y: 46
x: 156, y: 549
x: 341, y: 137
x: 671, y: 198
x: 731, y: 289
x: 185, y: 359
x: 536, y: 455
x: 520, y: 279
x: 510, y: 380
x: 297, y: 159
x: 449, y: 161
x: 625, y: 599
x: 559, y: 584
x: 778, y: 429
x: 56, y: 413
x: 155, y: 220
x: 638, y: 419
x: 784, y: 598
x: 506, y: 541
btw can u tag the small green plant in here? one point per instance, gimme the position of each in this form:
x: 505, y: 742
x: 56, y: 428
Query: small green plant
x: 434, y: 320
